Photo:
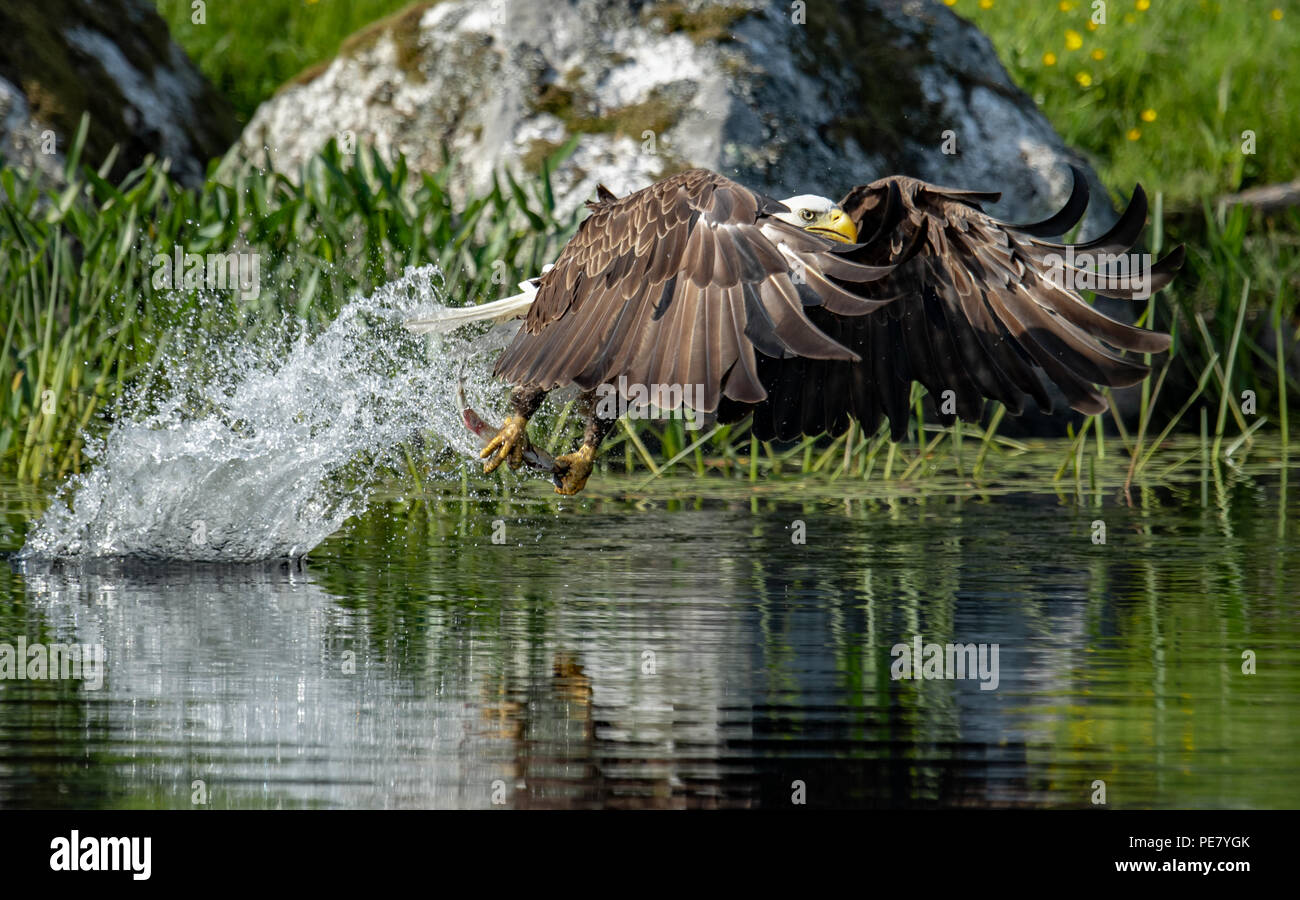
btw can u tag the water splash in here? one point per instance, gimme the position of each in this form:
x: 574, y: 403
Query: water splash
x: 259, y: 448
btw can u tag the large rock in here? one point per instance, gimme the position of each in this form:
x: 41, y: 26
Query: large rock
x: 116, y: 60
x: 855, y: 90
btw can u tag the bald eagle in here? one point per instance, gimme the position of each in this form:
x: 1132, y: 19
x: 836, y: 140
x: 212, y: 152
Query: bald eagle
x: 807, y: 313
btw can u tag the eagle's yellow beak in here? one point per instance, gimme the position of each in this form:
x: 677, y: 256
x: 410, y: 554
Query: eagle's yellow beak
x: 835, y: 225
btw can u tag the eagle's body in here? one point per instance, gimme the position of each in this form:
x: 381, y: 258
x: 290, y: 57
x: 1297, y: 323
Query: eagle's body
x: 777, y: 309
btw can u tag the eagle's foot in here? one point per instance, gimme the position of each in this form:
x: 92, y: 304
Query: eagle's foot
x: 575, y: 468
x: 507, y: 446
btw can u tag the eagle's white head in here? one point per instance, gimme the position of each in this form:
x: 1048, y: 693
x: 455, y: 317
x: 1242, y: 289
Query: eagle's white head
x: 820, y: 216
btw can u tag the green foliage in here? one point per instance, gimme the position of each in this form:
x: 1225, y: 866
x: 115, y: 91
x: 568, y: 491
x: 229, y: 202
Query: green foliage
x: 83, y: 318
x: 248, y: 49
x: 1165, y: 90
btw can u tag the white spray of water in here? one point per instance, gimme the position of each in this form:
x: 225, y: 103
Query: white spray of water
x: 260, y: 449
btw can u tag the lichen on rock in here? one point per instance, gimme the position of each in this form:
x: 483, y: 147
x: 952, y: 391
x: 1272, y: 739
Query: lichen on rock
x: 844, y: 93
x: 113, y: 59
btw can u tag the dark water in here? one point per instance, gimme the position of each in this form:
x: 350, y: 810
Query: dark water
x: 680, y: 649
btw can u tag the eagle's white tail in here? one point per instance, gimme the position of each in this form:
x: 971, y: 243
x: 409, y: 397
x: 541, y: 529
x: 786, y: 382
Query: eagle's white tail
x: 498, y: 310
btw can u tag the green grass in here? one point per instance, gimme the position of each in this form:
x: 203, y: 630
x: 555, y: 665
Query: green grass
x: 82, y: 321
x: 248, y: 48
x: 1177, y: 85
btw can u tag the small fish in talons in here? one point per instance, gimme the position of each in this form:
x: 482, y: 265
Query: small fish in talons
x: 495, y: 441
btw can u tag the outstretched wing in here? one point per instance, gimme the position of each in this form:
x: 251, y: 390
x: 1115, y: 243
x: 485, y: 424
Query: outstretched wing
x: 680, y: 284
x: 982, y: 308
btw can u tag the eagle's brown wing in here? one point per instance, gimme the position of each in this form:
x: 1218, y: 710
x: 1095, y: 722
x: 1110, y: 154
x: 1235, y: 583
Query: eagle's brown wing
x: 980, y: 309
x: 679, y: 284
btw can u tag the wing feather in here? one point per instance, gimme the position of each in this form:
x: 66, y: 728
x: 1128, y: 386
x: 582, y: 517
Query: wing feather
x: 692, y: 281
x: 679, y: 284
x: 967, y: 304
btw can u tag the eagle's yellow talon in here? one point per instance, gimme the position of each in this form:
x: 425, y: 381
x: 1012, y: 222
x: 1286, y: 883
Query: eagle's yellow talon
x: 577, y: 468
x: 507, y: 446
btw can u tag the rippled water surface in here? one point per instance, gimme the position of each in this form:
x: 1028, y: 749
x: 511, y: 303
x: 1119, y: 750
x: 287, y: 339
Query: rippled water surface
x: 678, y: 647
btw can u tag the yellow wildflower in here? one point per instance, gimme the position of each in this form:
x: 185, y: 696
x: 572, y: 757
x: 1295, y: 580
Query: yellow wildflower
x: 1148, y: 115
x: 1084, y: 79
x: 1143, y: 5
x: 1073, y: 40
x: 1134, y: 134
x: 1276, y: 14
x: 986, y: 4
x: 1099, y: 53
x: 1049, y: 58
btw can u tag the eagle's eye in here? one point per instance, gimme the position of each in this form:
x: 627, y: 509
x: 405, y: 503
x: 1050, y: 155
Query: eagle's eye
x: 807, y: 215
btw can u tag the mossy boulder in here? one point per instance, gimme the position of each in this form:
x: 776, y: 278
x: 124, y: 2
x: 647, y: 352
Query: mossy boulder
x: 790, y: 98
x: 114, y: 59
